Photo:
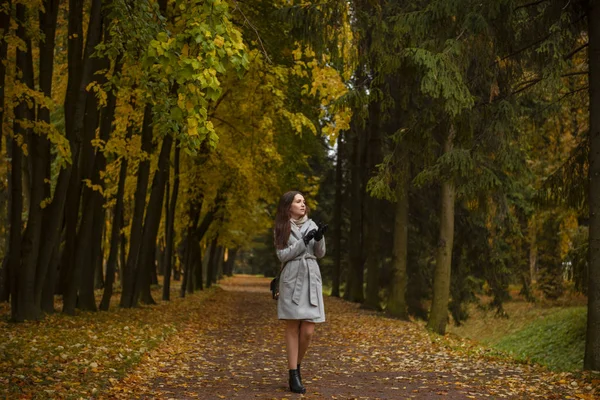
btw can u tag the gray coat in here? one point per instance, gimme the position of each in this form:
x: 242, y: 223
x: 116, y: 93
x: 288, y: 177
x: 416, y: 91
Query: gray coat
x: 300, y: 285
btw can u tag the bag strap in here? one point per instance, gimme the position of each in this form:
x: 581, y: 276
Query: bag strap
x: 281, y: 270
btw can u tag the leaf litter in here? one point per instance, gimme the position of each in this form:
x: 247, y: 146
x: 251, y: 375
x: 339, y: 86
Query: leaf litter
x: 226, y: 342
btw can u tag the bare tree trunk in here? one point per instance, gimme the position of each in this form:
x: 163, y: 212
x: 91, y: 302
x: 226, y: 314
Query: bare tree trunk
x: 76, y: 253
x: 443, y: 265
x: 396, y: 304
x: 592, y: 342
x: 231, y: 256
x: 374, y: 210
x: 4, y: 195
x: 48, y: 20
x: 337, y: 218
x: 114, y: 238
x: 356, y: 273
x: 212, y: 260
x: 25, y: 274
x: 147, y: 261
x: 135, y: 239
x: 170, y: 227
x: 4, y: 23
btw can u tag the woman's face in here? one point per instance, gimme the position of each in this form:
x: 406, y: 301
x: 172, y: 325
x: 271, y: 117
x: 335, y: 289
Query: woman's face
x: 298, y: 207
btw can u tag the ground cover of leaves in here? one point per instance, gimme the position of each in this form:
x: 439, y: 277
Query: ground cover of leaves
x: 73, y: 357
x: 232, y: 347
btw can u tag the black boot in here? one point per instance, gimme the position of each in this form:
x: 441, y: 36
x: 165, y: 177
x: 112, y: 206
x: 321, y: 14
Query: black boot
x: 295, y: 384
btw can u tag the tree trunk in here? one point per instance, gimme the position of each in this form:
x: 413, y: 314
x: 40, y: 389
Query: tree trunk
x: 48, y: 20
x: 396, y: 304
x: 212, y: 260
x: 79, y: 270
x: 25, y: 275
x: 196, y: 268
x: 16, y: 209
x: 441, y: 279
x: 592, y: 342
x: 49, y: 284
x: 75, y: 70
x: 114, y: 239
x: 231, y: 256
x: 219, y: 263
x: 373, y: 210
x: 4, y: 23
x: 337, y: 219
x: 147, y: 260
x: 135, y: 237
x: 356, y: 273
x: 170, y: 227
x: 78, y: 75
x: 187, y: 258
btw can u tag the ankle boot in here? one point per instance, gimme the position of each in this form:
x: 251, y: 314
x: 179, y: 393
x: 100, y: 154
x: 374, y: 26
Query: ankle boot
x: 299, y: 374
x: 295, y: 384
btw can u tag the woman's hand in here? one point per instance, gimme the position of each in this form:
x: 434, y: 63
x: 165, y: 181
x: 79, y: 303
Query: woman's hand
x: 319, y: 234
x: 309, y: 235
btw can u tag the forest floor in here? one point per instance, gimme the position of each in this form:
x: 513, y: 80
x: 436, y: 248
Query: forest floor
x: 232, y: 347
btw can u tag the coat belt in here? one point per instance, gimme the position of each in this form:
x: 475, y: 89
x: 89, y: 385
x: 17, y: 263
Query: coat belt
x: 312, y: 281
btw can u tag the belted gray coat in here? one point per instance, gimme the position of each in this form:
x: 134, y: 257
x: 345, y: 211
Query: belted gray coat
x: 300, y: 285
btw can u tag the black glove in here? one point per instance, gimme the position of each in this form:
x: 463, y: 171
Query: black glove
x: 322, y: 229
x: 309, y: 235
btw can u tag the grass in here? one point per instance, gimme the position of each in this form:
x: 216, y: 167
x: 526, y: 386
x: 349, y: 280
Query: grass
x: 550, y: 334
x: 556, y: 341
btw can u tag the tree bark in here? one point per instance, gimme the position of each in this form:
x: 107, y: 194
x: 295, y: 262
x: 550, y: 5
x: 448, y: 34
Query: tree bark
x: 48, y: 20
x: 396, y: 304
x: 147, y: 259
x: 356, y: 273
x: 79, y: 271
x: 337, y: 218
x: 4, y: 23
x: 75, y: 62
x: 135, y: 238
x: 592, y: 340
x: 373, y: 212
x: 114, y: 239
x: 231, y: 256
x: 441, y: 279
x: 212, y: 260
x: 25, y: 268
x: 170, y: 227
x: 16, y: 209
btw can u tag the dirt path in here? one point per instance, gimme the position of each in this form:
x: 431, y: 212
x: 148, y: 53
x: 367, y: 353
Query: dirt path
x: 233, y: 348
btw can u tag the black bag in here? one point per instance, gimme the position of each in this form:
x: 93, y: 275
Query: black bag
x: 275, y: 288
x: 275, y: 283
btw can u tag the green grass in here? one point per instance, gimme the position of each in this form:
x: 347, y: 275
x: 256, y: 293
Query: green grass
x: 556, y: 340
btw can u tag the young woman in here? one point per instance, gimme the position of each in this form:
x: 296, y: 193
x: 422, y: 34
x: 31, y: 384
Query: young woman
x: 299, y: 242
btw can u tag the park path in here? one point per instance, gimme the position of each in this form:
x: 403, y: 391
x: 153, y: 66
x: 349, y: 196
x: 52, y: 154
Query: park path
x: 233, y: 347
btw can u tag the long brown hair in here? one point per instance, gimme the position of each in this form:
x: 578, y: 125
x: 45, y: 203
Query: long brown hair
x: 282, y: 219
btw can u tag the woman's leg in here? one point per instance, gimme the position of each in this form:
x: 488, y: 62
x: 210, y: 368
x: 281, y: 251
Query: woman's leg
x: 306, y: 333
x: 292, y: 334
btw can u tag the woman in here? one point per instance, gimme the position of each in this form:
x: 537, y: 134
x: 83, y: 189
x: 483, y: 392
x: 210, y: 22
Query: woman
x: 299, y: 242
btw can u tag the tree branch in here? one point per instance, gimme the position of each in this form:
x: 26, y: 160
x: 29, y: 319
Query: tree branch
x: 577, y: 50
x: 534, y: 3
x: 255, y: 31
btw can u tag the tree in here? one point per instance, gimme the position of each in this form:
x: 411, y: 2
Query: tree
x: 592, y: 344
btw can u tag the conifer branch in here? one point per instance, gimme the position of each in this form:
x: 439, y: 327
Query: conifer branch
x: 527, y: 84
x: 577, y: 50
x: 534, y: 3
x: 538, y: 42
